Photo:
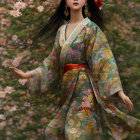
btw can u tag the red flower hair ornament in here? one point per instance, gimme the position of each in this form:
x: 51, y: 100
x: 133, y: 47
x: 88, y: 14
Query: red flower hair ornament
x: 99, y: 3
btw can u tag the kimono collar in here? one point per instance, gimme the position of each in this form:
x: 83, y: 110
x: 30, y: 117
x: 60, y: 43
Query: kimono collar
x: 74, y: 33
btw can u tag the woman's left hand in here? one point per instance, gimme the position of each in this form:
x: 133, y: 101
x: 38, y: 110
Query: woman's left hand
x: 126, y: 99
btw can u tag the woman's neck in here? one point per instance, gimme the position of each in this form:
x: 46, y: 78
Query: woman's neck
x: 75, y: 17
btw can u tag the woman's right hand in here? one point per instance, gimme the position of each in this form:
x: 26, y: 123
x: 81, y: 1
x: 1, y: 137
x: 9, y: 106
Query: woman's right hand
x: 20, y: 74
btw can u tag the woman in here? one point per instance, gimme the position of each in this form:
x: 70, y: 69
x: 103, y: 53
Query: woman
x: 82, y: 63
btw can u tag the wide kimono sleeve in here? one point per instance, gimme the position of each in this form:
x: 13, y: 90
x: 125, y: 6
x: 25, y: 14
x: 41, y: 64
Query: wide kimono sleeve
x: 48, y: 73
x: 102, y: 63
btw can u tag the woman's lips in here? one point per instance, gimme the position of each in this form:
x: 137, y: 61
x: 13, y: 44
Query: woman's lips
x: 75, y: 3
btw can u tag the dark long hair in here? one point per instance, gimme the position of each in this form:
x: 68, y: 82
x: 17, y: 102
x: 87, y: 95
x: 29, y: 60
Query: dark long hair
x: 58, y: 18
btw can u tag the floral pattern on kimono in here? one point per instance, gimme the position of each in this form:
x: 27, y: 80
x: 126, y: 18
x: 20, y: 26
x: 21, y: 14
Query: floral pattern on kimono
x: 86, y: 110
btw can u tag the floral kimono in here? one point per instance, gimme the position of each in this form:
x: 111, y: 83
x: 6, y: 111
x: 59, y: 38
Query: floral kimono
x: 87, y: 107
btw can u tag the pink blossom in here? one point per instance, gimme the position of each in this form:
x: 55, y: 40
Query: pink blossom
x: 30, y: 113
x: 2, y: 49
x: 16, y: 61
x: 6, y: 62
x: 2, y: 94
x: 9, y: 89
x: 40, y: 8
x: 8, y: 133
x: 4, y: 52
x: 2, y: 117
x: 14, y: 37
x: 15, y: 13
x: 30, y: 1
x: 45, y: 3
x: 26, y: 104
x: 5, y: 21
x: 24, y: 53
x: 13, y: 109
x: 32, y: 6
x: 6, y: 107
x: 3, y: 10
x: 19, y: 5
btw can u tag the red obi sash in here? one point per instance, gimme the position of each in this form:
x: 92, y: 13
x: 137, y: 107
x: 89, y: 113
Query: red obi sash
x: 68, y: 67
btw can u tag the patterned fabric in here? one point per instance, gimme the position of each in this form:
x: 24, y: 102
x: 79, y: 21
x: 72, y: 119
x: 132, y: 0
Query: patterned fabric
x: 68, y: 67
x: 88, y: 109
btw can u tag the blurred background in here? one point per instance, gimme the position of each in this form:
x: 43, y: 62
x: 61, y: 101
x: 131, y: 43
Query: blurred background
x: 25, y: 117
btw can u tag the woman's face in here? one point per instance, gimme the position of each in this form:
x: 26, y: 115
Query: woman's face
x: 72, y: 6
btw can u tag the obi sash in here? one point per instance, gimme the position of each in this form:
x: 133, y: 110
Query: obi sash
x: 68, y: 67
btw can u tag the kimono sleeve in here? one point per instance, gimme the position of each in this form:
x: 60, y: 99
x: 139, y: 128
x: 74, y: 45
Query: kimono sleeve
x: 102, y: 63
x: 48, y: 74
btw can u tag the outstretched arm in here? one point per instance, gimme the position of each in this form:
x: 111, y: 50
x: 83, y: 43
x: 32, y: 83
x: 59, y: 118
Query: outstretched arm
x: 46, y: 75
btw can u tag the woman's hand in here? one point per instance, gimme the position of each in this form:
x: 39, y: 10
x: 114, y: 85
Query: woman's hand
x: 19, y: 73
x: 126, y: 99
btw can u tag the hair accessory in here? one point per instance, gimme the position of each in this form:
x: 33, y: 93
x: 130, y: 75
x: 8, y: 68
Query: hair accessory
x: 99, y: 3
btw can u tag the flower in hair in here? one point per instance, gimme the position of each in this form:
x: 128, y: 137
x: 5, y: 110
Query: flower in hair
x: 99, y: 3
